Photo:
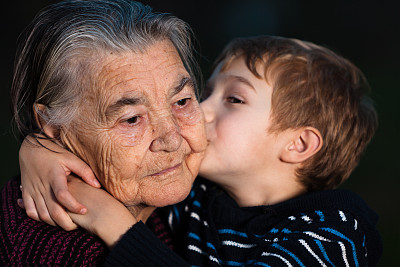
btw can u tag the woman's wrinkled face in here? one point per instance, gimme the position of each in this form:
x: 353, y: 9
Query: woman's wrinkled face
x: 140, y: 127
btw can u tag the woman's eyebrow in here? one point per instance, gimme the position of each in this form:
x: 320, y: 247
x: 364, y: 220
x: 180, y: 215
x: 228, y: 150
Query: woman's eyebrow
x: 183, y: 82
x: 124, y: 101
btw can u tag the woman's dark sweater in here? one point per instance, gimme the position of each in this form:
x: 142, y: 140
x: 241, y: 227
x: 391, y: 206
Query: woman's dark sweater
x: 26, y: 242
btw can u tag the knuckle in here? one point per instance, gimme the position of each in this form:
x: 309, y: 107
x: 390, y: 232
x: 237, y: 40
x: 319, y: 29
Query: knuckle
x: 32, y: 214
x: 70, y: 227
x: 46, y: 218
x: 61, y: 195
x: 57, y: 214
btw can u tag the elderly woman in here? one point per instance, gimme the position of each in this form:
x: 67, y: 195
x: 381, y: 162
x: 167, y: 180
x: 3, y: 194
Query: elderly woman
x: 113, y: 83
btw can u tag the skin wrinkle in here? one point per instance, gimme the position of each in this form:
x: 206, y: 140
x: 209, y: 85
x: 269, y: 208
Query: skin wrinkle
x: 125, y: 156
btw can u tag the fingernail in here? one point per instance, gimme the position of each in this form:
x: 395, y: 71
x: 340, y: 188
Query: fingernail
x: 83, y: 211
x: 96, y: 183
x: 20, y: 201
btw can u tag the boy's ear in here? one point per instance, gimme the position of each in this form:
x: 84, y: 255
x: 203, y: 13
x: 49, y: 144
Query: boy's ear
x: 49, y: 130
x: 305, y: 142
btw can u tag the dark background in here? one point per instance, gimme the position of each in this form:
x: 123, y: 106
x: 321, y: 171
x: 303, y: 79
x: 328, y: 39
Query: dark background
x: 366, y: 32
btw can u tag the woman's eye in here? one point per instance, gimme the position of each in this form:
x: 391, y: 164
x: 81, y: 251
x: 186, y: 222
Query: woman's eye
x: 133, y: 120
x: 183, y: 102
x: 234, y: 100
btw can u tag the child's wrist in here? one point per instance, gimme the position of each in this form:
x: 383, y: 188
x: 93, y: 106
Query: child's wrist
x: 113, y: 231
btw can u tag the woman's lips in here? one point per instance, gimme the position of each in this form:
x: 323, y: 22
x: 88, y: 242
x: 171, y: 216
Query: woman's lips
x: 168, y: 170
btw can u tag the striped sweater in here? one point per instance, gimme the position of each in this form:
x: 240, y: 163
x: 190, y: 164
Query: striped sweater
x: 25, y: 242
x: 326, y: 228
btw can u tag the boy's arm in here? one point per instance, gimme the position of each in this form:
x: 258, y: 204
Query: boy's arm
x: 44, y: 166
x: 106, y: 217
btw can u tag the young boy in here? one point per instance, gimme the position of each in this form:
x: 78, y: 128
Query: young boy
x: 287, y: 122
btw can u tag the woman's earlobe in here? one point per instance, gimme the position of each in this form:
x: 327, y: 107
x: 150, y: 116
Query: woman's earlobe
x: 306, y: 142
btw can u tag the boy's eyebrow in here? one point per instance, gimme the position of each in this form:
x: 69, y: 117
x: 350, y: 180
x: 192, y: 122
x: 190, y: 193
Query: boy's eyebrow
x: 243, y: 80
x: 124, y: 101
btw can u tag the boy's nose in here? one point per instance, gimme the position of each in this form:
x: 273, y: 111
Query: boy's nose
x: 206, y: 106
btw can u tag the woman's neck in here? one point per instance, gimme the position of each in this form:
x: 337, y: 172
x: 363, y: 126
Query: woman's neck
x: 141, y: 212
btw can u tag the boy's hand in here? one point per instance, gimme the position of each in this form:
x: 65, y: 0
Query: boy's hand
x: 44, y: 182
x: 106, y: 217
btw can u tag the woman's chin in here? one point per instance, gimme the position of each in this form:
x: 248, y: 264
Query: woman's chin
x: 170, y: 194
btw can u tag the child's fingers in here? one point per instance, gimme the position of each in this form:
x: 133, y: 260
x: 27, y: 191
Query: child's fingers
x: 81, y: 169
x: 62, y: 194
x: 30, y: 207
x: 43, y: 211
x: 20, y: 203
x: 61, y: 217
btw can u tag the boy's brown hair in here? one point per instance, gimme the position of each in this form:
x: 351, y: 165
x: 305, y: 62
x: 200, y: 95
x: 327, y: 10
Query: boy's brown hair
x: 313, y: 86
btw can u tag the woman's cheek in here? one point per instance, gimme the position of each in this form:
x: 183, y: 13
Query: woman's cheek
x: 190, y: 115
x: 192, y: 125
x: 130, y: 135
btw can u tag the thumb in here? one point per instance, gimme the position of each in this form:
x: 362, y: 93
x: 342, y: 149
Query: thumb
x: 81, y: 169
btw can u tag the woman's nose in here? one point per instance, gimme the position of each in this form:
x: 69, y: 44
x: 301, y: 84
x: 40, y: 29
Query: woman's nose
x: 167, y: 135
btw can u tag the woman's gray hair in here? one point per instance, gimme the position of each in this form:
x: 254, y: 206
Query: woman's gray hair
x: 49, y: 67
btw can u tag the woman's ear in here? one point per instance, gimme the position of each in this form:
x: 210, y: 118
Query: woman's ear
x: 50, y: 130
x: 305, y: 142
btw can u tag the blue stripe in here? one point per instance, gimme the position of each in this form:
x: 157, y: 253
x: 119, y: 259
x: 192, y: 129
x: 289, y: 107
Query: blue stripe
x: 197, y: 204
x: 249, y: 262
x: 192, y: 194
x: 321, y: 215
x: 232, y: 232
x: 232, y: 263
x: 176, y: 212
x: 194, y: 236
x: 321, y: 247
x: 288, y: 252
x: 339, y: 234
x: 211, y: 246
x: 262, y: 264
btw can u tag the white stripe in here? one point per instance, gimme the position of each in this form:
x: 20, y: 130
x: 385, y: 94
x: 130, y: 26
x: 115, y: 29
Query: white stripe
x: 279, y: 256
x: 341, y: 213
x: 195, y: 216
x: 344, y: 254
x: 198, y: 250
x: 194, y: 248
x: 203, y: 187
x: 355, y: 224
x: 170, y: 220
x: 316, y: 236
x: 304, y: 243
x: 212, y: 258
x: 306, y: 218
x: 236, y: 244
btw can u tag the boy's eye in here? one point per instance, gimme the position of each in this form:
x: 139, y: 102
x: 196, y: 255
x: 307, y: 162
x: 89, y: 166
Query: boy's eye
x: 234, y: 100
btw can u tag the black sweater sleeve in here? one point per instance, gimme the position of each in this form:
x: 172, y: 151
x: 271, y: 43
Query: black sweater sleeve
x: 140, y: 247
